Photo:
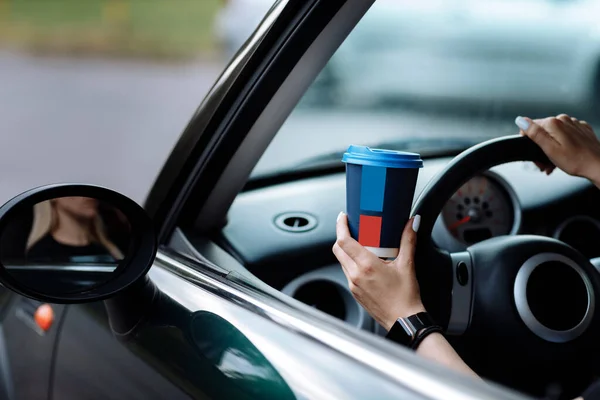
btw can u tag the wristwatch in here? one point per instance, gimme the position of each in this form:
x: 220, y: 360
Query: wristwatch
x: 411, y: 331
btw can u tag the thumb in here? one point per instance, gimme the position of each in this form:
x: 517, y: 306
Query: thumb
x: 538, y: 134
x: 408, y: 243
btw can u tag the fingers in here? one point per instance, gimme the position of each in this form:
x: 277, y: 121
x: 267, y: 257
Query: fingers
x: 541, y: 166
x: 408, y: 244
x: 343, y: 258
x: 547, y: 168
x: 538, y: 134
x: 564, y: 118
x: 586, y: 126
x: 574, y: 122
x: 348, y: 265
x: 348, y: 245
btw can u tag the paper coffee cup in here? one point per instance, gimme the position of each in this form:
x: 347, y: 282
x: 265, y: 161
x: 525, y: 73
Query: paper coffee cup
x: 380, y: 186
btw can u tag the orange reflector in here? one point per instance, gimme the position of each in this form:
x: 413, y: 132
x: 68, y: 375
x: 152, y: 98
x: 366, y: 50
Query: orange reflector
x: 44, y: 316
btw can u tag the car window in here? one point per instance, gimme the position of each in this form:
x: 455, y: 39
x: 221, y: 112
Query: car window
x: 99, y: 91
x: 412, y: 73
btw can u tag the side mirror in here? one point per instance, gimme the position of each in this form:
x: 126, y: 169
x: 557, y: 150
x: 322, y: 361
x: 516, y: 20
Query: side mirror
x: 72, y: 243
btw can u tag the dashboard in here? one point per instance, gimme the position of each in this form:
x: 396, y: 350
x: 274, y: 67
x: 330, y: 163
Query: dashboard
x: 283, y: 233
x: 484, y: 207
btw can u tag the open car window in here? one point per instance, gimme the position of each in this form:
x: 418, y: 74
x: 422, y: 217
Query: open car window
x: 417, y: 75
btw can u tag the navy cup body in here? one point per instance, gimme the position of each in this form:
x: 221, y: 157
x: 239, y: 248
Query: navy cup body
x: 380, y: 187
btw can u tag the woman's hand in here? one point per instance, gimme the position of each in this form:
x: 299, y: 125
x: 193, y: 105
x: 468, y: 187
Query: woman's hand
x: 388, y: 290
x: 569, y: 143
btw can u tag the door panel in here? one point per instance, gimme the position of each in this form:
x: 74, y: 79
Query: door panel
x: 6, y: 386
x: 92, y: 364
x: 221, y: 338
x: 28, y: 352
x: 200, y: 345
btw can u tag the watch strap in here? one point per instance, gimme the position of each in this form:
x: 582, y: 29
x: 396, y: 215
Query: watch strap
x: 417, y: 321
x: 421, y: 335
x: 405, y: 331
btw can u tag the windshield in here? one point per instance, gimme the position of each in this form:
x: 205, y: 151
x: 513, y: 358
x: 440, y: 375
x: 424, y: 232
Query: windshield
x: 415, y: 72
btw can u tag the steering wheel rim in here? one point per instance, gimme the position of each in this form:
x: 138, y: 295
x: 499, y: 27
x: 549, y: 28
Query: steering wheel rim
x: 492, y: 267
x: 432, y: 261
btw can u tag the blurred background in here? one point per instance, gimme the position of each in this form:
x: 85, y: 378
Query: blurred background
x: 100, y: 90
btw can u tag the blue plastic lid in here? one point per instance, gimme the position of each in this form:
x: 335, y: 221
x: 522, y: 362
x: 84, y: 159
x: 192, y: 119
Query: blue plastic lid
x: 364, y: 155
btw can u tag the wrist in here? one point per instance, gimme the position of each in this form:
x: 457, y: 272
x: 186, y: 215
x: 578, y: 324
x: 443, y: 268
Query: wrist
x: 594, y: 173
x: 432, y: 340
x: 412, y: 330
x: 403, y: 312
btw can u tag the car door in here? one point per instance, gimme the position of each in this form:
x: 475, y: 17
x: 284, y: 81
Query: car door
x: 200, y: 325
x: 90, y: 363
x: 27, y: 350
x: 27, y: 344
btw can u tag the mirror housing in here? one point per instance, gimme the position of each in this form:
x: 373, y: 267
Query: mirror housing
x: 74, y: 243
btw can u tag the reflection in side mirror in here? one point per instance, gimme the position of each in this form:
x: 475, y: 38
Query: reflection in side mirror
x: 68, y: 243
x: 73, y: 244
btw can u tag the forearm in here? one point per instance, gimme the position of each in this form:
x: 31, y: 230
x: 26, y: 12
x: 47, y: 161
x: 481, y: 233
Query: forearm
x: 435, y: 347
x: 594, y: 174
x: 596, y: 181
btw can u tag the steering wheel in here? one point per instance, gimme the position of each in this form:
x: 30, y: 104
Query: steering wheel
x: 521, y: 310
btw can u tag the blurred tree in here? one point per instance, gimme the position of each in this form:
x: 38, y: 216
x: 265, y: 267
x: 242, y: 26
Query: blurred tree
x: 116, y: 12
x: 156, y: 29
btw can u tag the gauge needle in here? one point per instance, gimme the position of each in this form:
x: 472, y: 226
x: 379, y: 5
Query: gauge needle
x: 459, y: 223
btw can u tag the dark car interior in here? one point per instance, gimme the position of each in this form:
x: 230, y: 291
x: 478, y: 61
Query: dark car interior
x: 295, y: 222
x: 294, y: 219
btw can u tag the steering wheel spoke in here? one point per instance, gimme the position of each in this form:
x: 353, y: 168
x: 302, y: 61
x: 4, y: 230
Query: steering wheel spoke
x: 596, y: 263
x: 462, y: 293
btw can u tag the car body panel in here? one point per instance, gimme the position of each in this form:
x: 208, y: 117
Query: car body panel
x: 29, y: 350
x: 309, y: 357
x: 211, y: 348
x: 92, y: 364
x: 214, y: 336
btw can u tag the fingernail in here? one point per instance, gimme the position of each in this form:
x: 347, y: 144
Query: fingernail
x: 416, y: 223
x: 522, y: 123
x: 339, y: 216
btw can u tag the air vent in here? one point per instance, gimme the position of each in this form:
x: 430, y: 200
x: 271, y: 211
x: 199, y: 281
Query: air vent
x: 323, y: 295
x: 582, y: 233
x: 296, y: 222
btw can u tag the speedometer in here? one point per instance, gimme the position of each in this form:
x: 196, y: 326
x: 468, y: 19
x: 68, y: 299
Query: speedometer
x: 479, y: 210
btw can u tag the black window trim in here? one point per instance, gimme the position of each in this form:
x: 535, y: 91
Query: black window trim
x: 228, y: 112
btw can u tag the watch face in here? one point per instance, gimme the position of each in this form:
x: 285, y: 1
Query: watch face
x: 399, y: 333
x: 405, y: 330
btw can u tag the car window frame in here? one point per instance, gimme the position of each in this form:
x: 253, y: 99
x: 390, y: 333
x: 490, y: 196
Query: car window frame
x: 224, y: 120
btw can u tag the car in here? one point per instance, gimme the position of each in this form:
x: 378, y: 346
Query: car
x: 226, y: 286
x: 539, y: 52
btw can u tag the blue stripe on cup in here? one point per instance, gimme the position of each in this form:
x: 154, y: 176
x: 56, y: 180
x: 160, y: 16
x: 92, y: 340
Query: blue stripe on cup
x: 372, y: 191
